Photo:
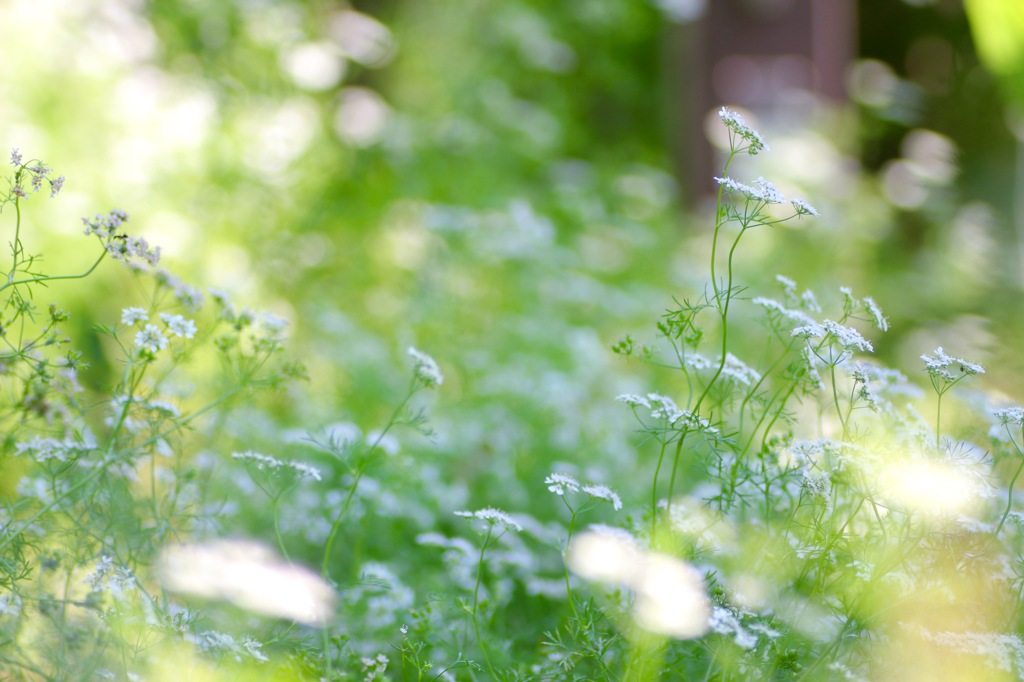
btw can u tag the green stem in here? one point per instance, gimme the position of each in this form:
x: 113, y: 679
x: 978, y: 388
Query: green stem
x: 1013, y: 481
x: 476, y: 602
x: 355, y: 482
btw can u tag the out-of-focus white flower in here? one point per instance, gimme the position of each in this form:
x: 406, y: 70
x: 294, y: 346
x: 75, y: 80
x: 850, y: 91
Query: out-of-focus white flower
x: 250, y: 576
x: 426, y: 368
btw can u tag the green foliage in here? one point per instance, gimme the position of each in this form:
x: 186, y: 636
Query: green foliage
x: 183, y: 497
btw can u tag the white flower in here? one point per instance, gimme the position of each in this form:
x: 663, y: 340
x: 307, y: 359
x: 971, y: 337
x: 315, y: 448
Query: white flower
x: 179, y: 326
x: 663, y: 406
x: 796, y: 316
x: 110, y: 578
x: 876, y: 313
x: 254, y: 649
x: 132, y: 315
x: 803, y: 208
x: 603, y: 492
x: 15, y: 157
x: 56, y: 186
x: 274, y: 465
x: 736, y: 123
x: 788, y: 285
x: 937, y: 366
x: 762, y: 191
x: 1010, y: 415
x: 846, y: 336
x: 559, y: 483
x: 492, y: 516
x: 426, y: 368
x: 151, y: 339
x: 633, y: 400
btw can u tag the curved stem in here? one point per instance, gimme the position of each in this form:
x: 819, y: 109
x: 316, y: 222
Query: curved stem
x: 1013, y: 481
x: 476, y: 602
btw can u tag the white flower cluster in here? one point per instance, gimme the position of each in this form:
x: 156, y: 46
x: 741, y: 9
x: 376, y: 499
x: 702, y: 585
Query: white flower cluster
x: 999, y: 651
x: 669, y: 596
x: 124, y: 249
x: 773, y: 306
x: 37, y: 174
x: 274, y: 465
x: 43, y: 449
x: 762, y: 190
x: 492, y: 516
x: 151, y: 338
x: 1010, y: 416
x: 212, y: 641
x: 725, y: 622
x: 110, y: 578
x: 847, y: 337
x: 559, y: 484
x: 939, y: 364
x: 738, y: 126
x: 733, y: 368
x: 867, y: 304
x: 803, y: 208
x: 426, y: 368
x: 105, y: 226
x: 374, y: 667
x: 663, y: 407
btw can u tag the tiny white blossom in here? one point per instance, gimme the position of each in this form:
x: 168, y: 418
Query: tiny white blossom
x: 132, y: 315
x: 56, y: 186
x: 492, y: 516
x: 847, y: 337
x: 762, y: 191
x: 603, y: 492
x: 151, y: 339
x: 1010, y: 415
x: 788, y: 285
x: 179, y: 326
x: 938, y: 365
x: 15, y: 157
x: 559, y: 484
x: 803, y: 208
x: 663, y: 406
x: 255, y: 649
x: 876, y: 313
x: 633, y: 400
x: 274, y: 465
x: 426, y: 368
x: 738, y: 126
x: 774, y: 306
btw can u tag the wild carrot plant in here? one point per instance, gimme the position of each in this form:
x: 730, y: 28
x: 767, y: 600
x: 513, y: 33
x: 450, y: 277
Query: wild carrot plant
x: 799, y: 518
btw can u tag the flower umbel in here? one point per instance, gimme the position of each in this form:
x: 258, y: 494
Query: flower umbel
x: 492, y: 516
x: 426, y: 368
x: 738, y: 127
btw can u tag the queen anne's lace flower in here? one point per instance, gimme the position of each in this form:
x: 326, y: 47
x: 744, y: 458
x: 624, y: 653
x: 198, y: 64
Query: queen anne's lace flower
x: 492, y: 516
x: 739, y: 127
x: 179, y: 326
x: 151, y: 339
x: 1010, y: 415
x: 847, y: 337
x: 939, y: 364
x: 132, y: 315
x: 426, y: 368
x: 273, y: 464
x: 803, y: 208
x: 762, y: 190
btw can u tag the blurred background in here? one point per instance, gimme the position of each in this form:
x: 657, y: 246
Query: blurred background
x: 512, y: 187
